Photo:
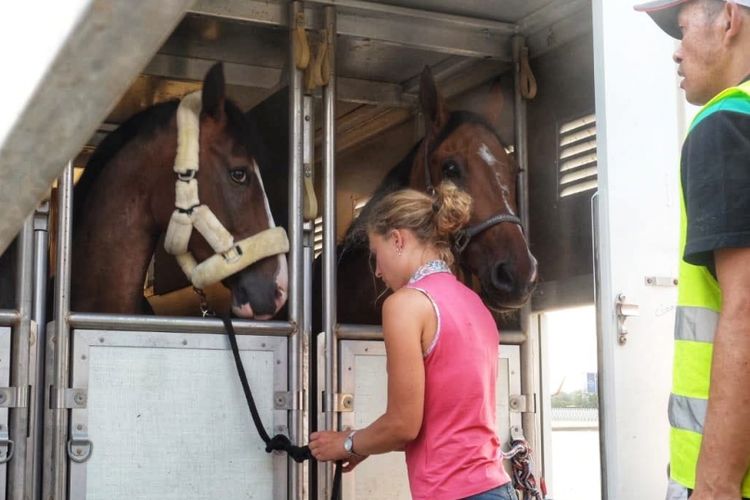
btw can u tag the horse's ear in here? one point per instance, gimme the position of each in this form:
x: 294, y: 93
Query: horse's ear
x: 213, y: 95
x: 433, y: 105
x: 495, y: 102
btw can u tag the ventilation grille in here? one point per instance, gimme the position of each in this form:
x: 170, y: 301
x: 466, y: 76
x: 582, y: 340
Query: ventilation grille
x: 578, y: 167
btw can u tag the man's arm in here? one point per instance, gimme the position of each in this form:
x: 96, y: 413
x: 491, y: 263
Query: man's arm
x: 725, y: 452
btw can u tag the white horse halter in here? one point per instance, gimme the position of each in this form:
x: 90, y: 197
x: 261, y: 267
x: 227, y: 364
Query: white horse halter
x: 230, y: 257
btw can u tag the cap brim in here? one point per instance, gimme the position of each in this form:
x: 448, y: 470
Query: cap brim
x: 664, y: 13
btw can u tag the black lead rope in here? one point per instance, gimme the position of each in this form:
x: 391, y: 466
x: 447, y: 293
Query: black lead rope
x: 279, y: 442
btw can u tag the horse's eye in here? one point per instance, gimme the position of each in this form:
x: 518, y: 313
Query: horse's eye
x: 451, y: 170
x: 239, y: 175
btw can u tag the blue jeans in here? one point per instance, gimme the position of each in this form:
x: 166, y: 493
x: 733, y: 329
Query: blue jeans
x: 504, y: 492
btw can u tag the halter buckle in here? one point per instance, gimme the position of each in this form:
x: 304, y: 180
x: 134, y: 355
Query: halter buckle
x: 461, y: 240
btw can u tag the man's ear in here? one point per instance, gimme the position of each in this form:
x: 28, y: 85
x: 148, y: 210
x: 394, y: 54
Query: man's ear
x: 733, y: 20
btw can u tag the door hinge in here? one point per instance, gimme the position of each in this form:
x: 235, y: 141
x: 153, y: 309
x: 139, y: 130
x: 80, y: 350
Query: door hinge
x: 67, y: 398
x: 522, y: 403
x: 14, y: 397
x: 343, y: 402
x: 287, y: 401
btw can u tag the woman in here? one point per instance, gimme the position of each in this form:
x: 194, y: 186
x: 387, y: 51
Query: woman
x: 442, y: 349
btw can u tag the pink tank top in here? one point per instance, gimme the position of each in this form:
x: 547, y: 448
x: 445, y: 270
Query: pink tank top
x: 457, y: 452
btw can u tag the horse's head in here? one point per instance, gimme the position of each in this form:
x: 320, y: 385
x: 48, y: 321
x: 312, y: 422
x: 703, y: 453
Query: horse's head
x: 230, y: 186
x: 463, y: 148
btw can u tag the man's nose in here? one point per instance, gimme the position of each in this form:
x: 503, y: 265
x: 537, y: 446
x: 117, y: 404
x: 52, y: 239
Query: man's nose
x: 677, y: 56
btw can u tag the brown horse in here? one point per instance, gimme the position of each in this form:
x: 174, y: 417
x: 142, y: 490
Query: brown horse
x: 126, y: 196
x: 461, y: 147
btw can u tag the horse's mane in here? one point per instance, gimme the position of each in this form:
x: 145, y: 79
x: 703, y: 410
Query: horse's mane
x: 398, y: 177
x: 144, y: 124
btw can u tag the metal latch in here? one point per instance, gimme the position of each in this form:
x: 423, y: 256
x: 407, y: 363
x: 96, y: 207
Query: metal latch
x: 287, y: 400
x: 624, y: 311
x: 67, y: 398
x: 14, y: 397
x: 522, y: 403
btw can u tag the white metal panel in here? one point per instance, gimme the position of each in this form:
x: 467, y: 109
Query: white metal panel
x: 168, y: 419
x: 640, y: 125
x: 363, y: 373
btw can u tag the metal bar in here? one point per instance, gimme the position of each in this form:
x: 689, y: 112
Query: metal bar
x: 361, y: 7
x: 527, y: 348
x: 55, y: 484
x: 80, y: 88
x: 308, y: 161
x: 296, y: 293
x: 329, y: 242
x: 19, y: 372
x: 375, y: 332
x: 34, y: 461
x: 402, y: 26
x: 350, y: 89
x: 9, y: 317
x: 166, y: 324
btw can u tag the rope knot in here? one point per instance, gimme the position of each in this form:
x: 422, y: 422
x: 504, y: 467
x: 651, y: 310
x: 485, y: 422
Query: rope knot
x: 281, y: 442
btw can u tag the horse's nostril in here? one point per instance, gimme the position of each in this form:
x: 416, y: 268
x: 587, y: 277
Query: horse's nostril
x: 502, y: 276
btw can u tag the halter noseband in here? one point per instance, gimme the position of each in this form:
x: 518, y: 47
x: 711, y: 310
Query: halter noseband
x: 189, y: 213
x: 464, y: 235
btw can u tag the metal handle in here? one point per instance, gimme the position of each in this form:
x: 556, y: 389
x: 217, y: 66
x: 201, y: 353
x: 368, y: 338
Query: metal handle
x: 11, y: 449
x: 80, y: 450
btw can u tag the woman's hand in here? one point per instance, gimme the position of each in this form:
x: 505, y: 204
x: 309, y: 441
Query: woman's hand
x: 329, y: 445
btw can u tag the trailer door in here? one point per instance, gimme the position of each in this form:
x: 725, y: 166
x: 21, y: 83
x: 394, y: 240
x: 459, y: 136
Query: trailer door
x: 640, y: 116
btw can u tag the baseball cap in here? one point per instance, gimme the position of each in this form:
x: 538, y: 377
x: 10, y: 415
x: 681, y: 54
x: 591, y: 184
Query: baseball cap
x: 664, y: 13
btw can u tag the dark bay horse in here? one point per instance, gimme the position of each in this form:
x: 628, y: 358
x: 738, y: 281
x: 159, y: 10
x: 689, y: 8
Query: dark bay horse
x: 461, y: 147
x: 126, y: 197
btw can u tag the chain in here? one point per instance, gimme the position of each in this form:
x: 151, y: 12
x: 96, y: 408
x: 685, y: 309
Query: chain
x: 206, y: 310
x: 523, y: 477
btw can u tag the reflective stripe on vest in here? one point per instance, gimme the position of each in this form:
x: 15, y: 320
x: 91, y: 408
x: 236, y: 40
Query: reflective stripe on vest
x: 699, y: 302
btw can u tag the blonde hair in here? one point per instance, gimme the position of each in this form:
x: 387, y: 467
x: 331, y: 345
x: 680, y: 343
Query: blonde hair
x: 432, y: 220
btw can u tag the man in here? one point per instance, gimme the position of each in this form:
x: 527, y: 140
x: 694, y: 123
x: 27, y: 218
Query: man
x: 709, y: 409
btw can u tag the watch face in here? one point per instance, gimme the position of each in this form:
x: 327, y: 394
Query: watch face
x: 348, y: 444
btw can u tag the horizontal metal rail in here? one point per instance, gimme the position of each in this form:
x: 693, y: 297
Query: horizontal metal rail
x: 403, y: 26
x: 9, y: 317
x: 375, y: 332
x: 178, y: 324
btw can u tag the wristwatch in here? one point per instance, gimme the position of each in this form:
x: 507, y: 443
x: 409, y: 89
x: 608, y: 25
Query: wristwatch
x: 349, y: 444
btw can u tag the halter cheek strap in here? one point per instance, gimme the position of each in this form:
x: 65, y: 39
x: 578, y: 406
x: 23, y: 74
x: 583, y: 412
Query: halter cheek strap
x: 190, y: 213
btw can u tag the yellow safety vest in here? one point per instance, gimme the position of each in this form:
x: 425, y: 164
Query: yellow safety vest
x: 698, y: 305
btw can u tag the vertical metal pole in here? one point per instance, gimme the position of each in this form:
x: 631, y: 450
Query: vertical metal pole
x: 528, y: 348
x: 36, y: 369
x: 329, y: 239
x: 295, y: 306
x: 55, y: 483
x: 308, y: 161
x: 19, y: 375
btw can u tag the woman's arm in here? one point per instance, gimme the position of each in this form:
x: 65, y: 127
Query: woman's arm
x: 405, y: 314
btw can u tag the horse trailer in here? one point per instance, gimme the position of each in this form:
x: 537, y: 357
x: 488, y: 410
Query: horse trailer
x: 582, y: 93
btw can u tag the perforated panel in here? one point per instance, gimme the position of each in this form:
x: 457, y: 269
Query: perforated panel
x: 168, y: 419
x: 363, y: 369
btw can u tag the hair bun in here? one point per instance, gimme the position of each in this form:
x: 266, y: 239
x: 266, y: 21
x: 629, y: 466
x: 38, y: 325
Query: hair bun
x: 453, y: 209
